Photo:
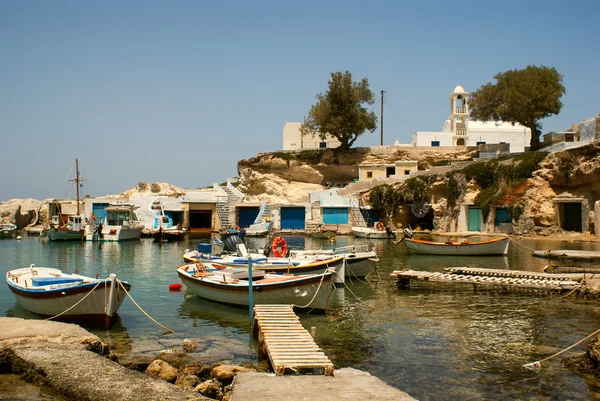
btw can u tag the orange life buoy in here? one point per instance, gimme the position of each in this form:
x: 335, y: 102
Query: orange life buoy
x: 93, y: 216
x: 237, y: 228
x: 379, y: 226
x: 279, y: 247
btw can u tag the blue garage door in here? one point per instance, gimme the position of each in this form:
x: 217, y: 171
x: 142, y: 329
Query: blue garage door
x: 292, y: 218
x: 247, y: 215
x: 335, y: 215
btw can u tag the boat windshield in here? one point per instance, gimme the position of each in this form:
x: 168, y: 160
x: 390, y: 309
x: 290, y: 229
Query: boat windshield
x: 117, y: 218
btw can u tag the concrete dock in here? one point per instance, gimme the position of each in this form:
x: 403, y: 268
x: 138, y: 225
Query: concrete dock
x: 345, y: 385
x: 58, y: 357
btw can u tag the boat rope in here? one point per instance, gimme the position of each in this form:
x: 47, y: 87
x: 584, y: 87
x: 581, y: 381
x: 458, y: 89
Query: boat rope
x: 355, y: 296
x: 316, y: 293
x: 140, y: 308
x: 78, y: 302
x: 521, y: 245
x: 66, y: 178
x: 538, y: 364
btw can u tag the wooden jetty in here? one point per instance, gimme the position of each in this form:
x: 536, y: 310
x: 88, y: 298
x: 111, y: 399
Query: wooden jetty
x: 286, y: 342
x: 505, y: 280
x: 568, y: 254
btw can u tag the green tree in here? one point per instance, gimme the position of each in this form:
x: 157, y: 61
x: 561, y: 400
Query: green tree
x: 520, y: 96
x: 341, y: 111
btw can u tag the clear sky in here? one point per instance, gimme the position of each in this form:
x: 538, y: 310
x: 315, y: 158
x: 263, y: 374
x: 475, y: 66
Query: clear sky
x: 180, y: 91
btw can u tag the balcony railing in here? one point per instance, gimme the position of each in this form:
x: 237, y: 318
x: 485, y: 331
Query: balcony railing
x: 460, y: 110
x: 460, y: 132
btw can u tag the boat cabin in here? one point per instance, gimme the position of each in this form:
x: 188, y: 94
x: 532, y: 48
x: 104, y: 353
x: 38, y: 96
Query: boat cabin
x: 120, y: 216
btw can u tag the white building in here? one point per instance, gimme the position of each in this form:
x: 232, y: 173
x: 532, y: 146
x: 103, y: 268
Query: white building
x: 294, y: 140
x: 459, y: 130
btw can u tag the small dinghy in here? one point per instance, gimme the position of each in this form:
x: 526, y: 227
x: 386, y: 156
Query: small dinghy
x: 50, y: 292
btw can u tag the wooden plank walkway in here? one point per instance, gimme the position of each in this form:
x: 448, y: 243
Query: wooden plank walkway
x: 286, y: 342
x: 492, y: 278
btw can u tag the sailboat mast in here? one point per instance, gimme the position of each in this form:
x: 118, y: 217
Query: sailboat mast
x: 77, y: 182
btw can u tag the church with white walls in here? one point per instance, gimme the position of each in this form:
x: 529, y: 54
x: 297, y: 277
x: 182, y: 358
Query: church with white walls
x: 459, y: 130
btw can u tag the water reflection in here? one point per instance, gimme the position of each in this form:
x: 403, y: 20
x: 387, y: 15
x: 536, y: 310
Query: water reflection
x: 436, y: 345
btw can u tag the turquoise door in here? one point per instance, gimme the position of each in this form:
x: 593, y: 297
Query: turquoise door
x: 474, y: 218
x: 335, y: 215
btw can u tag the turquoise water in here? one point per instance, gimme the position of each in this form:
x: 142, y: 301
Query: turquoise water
x: 435, y: 345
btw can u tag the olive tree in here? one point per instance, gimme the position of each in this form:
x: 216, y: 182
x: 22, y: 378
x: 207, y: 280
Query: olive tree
x: 341, y: 111
x: 520, y: 96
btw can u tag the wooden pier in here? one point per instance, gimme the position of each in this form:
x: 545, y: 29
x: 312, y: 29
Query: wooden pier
x: 286, y: 342
x: 505, y: 280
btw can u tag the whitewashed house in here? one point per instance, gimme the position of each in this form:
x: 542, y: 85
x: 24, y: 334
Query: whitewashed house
x: 294, y: 140
x: 460, y: 130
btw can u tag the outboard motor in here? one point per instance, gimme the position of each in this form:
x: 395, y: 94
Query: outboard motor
x: 230, y: 243
x: 408, y: 233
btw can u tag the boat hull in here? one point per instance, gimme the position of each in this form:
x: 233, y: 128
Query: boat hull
x: 120, y: 233
x: 89, y: 298
x: 304, y: 292
x: 372, y: 233
x: 492, y: 247
x: 65, y: 235
x: 328, y: 234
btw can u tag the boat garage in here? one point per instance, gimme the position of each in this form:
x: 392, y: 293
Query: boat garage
x: 293, y: 218
x: 572, y: 213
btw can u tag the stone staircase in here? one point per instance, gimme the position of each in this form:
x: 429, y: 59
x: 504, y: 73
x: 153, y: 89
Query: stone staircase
x: 358, y: 217
x: 230, y: 196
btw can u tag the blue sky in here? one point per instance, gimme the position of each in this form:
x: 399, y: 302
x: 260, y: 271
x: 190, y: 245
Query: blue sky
x: 180, y: 91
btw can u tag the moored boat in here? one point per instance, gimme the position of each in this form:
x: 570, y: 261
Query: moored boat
x: 50, y: 292
x: 377, y: 232
x: 232, y: 286
x: 121, y: 223
x: 7, y: 230
x: 495, y: 246
x: 323, y: 234
x: 67, y: 226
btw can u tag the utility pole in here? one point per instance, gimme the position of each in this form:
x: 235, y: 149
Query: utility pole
x: 381, y: 123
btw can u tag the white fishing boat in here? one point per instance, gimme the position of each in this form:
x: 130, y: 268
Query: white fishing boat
x: 359, y: 260
x: 495, y: 246
x: 232, y: 286
x: 120, y: 223
x: 377, y: 232
x: 50, y: 292
x: 7, y: 230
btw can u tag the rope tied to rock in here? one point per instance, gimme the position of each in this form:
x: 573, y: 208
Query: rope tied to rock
x: 538, y: 364
x: 140, y: 308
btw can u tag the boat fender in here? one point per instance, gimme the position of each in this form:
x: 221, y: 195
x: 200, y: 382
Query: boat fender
x: 379, y: 226
x: 174, y: 287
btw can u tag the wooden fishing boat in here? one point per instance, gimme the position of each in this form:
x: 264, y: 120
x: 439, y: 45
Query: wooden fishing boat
x: 50, y: 292
x: 359, y: 260
x: 67, y: 226
x: 495, y: 246
x: 232, y: 286
x: 121, y: 223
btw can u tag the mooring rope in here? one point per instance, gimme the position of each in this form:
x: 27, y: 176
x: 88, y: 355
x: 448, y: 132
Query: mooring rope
x: 538, y: 364
x: 78, y: 302
x: 143, y: 311
x: 517, y: 244
x: 355, y: 296
x: 316, y: 292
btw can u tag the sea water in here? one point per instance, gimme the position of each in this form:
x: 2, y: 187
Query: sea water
x: 453, y: 344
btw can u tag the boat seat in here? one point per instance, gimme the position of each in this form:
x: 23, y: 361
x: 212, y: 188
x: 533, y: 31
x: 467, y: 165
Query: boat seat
x: 41, y: 281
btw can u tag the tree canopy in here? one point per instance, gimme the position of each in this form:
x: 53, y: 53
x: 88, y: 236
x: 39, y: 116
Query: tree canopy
x: 520, y: 96
x: 341, y: 111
